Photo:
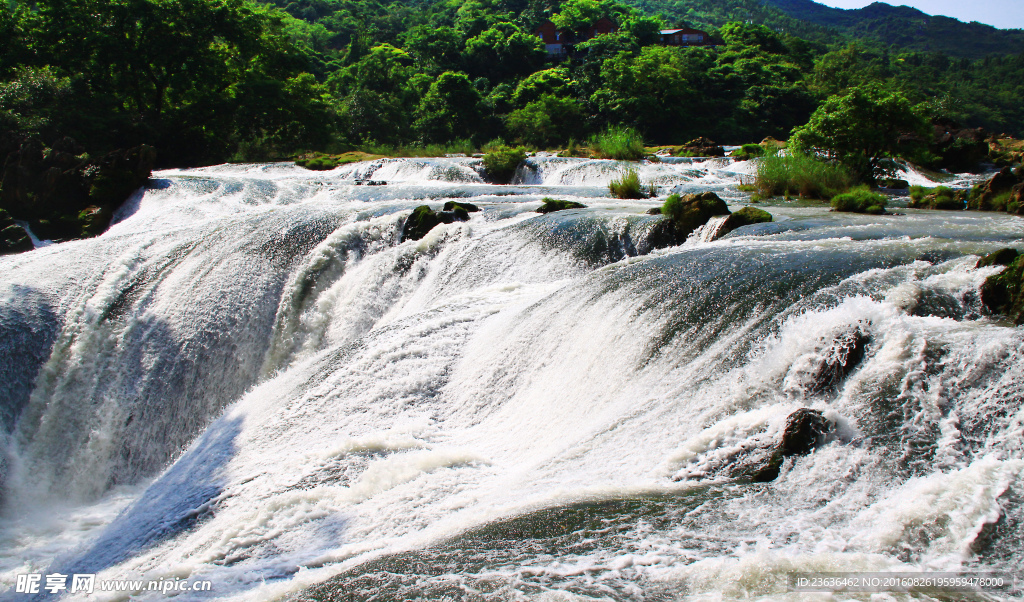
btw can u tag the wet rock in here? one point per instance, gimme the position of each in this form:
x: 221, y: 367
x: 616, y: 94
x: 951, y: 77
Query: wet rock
x: 824, y: 369
x: 1004, y: 256
x: 654, y: 211
x: 760, y: 458
x: 805, y: 430
x: 894, y: 184
x: 743, y: 217
x: 423, y: 219
x: 453, y: 205
x: 1004, y: 293
x: 558, y: 205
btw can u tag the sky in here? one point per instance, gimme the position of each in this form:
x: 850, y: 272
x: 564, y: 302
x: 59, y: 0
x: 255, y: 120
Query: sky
x: 1004, y: 14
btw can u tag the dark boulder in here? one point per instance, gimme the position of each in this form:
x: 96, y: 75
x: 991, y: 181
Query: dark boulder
x: 551, y: 205
x: 654, y: 211
x: 760, y: 459
x: 743, y: 217
x: 423, y: 219
x: 701, y: 147
x: 453, y: 205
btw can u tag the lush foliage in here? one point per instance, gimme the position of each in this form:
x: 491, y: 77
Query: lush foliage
x: 861, y: 130
x: 859, y: 200
x: 802, y: 175
x: 501, y: 163
x: 212, y: 80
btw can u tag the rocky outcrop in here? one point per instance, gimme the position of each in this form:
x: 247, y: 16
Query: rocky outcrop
x: 1003, y: 293
x: 61, y: 191
x: 423, y: 219
x: 743, y: 217
x: 701, y: 147
x: 959, y: 149
x: 683, y: 215
x: 824, y: 370
x: 461, y: 210
x: 1000, y: 193
x: 551, y: 205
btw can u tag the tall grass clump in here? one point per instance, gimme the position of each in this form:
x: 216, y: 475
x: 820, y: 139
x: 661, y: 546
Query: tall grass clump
x: 623, y: 144
x: 800, y: 175
x: 860, y: 200
x: 629, y: 187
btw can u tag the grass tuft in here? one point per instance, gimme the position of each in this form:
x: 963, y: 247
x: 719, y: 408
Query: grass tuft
x: 860, y: 200
x: 623, y: 144
x: 630, y: 187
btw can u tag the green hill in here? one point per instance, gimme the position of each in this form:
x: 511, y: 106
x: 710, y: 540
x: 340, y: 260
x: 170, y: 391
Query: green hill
x: 907, y: 28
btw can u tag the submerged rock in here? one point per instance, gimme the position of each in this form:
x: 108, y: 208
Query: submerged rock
x: 558, y: 205
x: 743, y: 217
x: 825, y: 369
x: 760, y: 458
x: 423, y: 219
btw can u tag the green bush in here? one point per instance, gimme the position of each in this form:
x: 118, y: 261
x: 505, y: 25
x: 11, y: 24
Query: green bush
x: 623, y: 144
x: 747, y: 152
x: 802, y: 175
x: 317, y: 163
x: 501, y: 163
x: 629, y: 187
x: 860, y: 200
x: 941, y: 197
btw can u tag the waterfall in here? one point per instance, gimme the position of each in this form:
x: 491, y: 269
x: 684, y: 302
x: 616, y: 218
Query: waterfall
x: 252, y: 379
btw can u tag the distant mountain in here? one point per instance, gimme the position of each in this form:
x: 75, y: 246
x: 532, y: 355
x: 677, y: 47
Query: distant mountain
x: 908, y: 28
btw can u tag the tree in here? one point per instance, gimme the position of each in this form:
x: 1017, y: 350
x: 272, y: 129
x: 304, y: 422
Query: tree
x: 546, y: 121
x: 860, y: 130
x: 449, y: 110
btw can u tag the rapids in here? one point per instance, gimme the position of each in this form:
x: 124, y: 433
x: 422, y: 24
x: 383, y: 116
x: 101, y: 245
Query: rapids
x: 251, y: 379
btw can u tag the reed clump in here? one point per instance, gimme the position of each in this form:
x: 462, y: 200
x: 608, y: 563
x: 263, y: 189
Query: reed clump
x: 806, y: 176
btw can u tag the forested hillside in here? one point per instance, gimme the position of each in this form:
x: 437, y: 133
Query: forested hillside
x: 907, y: 28
x: 212, y: 80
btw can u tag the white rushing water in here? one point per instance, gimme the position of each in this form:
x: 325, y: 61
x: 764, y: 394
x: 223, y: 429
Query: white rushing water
x: 252, y: 379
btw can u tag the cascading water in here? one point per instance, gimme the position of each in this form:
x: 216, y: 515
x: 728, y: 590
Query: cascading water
x: 252, y: 379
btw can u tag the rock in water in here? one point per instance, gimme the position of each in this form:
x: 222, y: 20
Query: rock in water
x: 423, y: 219
x: 551, y: 205
x: 760, y: 459
x: 743, y: 217
x: 805, y: 430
